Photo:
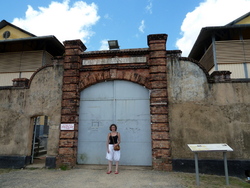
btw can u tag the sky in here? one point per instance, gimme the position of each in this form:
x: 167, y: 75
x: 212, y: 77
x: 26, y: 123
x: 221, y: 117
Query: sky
x: 95, y: 22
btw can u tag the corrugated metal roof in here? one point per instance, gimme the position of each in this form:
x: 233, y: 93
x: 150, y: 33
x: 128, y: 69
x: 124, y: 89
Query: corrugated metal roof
x: 229, y: 32
x: 49, y: 43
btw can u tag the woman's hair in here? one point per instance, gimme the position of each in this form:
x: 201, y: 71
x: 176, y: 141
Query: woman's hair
x: 114, y: 126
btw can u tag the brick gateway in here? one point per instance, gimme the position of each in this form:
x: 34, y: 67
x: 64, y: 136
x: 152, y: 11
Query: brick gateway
x: 151, y: 73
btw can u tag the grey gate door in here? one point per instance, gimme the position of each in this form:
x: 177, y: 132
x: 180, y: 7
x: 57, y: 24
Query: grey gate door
x: 127, y: 105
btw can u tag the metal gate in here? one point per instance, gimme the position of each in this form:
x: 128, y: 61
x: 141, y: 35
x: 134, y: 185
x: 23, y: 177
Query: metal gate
x: 127, y: 105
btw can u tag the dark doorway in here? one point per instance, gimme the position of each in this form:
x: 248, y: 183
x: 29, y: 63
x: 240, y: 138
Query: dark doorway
x: 40, y: 140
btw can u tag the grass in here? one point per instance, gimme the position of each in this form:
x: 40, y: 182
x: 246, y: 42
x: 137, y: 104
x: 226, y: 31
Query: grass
x: 64, y: 167
x: 7, y: 170
x: 211, y: 181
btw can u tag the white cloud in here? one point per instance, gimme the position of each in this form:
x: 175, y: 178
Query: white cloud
x: 60, y: 19
x: 142, y: 26
x: 209, y: 13
x: 149, y: 6
x: 104, y: 45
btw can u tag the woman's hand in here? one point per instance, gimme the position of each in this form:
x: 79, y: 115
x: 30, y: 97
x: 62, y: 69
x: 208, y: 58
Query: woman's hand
x: 108, y: 150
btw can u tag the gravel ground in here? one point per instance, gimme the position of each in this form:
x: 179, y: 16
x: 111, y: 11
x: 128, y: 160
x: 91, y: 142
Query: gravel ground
x: 89, y: 176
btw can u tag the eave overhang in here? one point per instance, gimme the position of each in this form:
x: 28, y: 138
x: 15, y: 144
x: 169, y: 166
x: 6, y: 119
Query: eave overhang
x: 49, y: 43
x: 221, y: 33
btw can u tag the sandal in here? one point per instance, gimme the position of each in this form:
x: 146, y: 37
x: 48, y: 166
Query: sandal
x: 109, y: 172
x: 116, y: 172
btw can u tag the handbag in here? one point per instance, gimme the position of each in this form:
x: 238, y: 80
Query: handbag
x: 117, y: 147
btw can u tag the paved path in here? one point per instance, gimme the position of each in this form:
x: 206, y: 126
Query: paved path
x: 89, y: 176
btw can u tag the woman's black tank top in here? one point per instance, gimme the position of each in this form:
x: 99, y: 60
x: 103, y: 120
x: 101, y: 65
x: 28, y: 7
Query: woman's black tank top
x: 115, y: 138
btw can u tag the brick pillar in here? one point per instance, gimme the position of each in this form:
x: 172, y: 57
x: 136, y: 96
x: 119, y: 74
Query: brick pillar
x: 70, y: 103
x: 158, y: 102
x: 20, y: 82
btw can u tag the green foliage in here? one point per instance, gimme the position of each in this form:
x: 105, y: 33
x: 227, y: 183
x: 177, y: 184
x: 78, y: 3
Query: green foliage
x: 64, y: 167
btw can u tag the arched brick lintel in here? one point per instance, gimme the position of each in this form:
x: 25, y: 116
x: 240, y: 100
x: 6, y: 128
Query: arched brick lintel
x: 88, y: 78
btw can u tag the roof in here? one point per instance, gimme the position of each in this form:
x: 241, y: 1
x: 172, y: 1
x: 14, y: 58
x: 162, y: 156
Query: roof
x: 49, y: 43
x: 4, y: 23
x: 239, y: 19
x: 231, y: 31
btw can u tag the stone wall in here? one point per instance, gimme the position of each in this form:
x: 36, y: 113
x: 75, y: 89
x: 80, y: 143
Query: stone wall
x: 203, y: 112
x: 186, y: 105
x: 19, y: 105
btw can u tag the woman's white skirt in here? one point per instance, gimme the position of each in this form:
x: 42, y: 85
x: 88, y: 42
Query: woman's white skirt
x: 113, y: 155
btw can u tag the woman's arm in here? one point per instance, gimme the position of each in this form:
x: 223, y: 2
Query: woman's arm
x: 119, y: 139
x: 107, y: 143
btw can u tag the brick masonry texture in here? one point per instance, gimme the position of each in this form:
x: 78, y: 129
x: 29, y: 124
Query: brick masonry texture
x: 151, y: 74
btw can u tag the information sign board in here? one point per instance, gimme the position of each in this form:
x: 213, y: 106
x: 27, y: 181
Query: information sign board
x: 209, y: 147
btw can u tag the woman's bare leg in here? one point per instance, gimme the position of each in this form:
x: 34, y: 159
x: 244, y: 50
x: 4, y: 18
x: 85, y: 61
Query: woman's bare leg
x: 110, y: 166
x: 116, y: 166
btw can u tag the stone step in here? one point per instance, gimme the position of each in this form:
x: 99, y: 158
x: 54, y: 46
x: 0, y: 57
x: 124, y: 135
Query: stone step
x: 40, y: 153
x: 39, y: 148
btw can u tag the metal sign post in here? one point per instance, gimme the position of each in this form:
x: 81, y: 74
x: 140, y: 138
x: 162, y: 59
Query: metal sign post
x: 196, y: 169
x: 210, y: 148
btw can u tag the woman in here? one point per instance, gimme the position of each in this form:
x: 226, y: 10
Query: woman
x: 113, y: 139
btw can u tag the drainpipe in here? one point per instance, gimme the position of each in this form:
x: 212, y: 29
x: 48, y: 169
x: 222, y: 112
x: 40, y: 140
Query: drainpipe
x: 214, y: 53
x: 43, y: 58
x: 244, y: 52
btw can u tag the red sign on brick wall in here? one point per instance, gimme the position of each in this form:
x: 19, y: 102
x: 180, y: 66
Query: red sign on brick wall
x: 67, y: 126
